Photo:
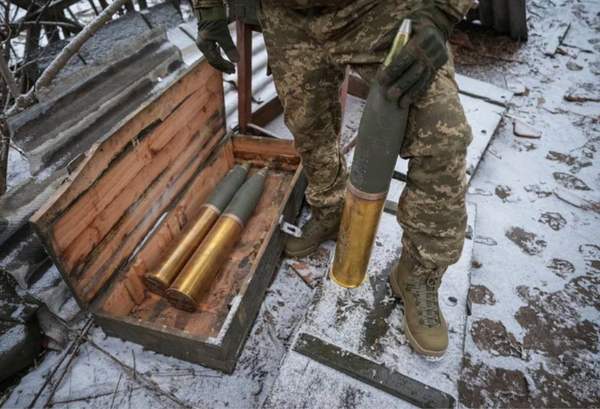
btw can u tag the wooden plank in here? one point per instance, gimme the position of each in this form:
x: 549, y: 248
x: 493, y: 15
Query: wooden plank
x: 239, y: 270
x: 166, y: 235
x: 89, y: 218
x: 268, y: 112
x: 244, y: 71
x: 103, y: 153
x: 466, y: 85
x: 372, y: 373
x: 138, y: 220
x: 483, y: 90
x: 277, y: 153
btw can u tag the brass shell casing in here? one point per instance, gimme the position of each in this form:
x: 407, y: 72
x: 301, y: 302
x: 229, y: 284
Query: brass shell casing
x: 160, y: 279
x: 358, y: 227
x: 199, y: 272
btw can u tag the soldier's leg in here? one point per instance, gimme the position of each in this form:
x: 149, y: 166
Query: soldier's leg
x: 308, y: 85
x: 432, y: 209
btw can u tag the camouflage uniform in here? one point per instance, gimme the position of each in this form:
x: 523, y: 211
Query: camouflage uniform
x: 309, y: 48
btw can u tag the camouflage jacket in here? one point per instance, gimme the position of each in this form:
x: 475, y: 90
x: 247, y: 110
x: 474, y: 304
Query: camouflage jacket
x: 454, y: 8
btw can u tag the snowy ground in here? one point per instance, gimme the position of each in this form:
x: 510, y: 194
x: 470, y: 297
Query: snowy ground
x: 532, y: 338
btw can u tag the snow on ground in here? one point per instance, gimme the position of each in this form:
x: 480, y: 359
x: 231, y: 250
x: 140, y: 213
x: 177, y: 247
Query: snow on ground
x: 533, y: 336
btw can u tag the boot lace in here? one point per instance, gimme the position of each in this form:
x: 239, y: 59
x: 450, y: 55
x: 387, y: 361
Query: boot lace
x: 425, y: 291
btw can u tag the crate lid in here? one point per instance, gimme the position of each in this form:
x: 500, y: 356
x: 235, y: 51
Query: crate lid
x: 124, y: 184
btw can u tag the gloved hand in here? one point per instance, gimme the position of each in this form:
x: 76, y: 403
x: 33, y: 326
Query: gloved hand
x: 411, y: 72
x: 214, y: 34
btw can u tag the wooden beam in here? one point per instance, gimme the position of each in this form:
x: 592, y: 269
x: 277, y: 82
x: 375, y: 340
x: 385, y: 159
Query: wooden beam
x: 244, y: 44
x: 372, y: 373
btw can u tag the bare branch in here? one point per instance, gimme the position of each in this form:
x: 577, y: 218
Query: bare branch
x: 7, y: 76
x: 73, y: 47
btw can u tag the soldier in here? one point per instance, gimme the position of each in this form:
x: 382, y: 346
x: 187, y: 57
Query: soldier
x: 310, y: 43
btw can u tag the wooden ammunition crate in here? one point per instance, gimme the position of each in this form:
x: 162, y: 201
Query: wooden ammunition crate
x: 126, y: 204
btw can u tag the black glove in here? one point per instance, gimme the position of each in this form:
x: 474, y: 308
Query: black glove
x: 214, y: 33
x: 410, y: 74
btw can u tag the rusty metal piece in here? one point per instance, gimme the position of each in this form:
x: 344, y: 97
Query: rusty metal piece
x: 360, y: 219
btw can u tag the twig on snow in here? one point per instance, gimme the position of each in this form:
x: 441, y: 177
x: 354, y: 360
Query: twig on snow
x: 68, y: 353
x: 141, y: 379
x: 112, y: 401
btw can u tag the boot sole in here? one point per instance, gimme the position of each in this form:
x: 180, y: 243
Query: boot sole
x: 309, y: 250
x: 411, y: 339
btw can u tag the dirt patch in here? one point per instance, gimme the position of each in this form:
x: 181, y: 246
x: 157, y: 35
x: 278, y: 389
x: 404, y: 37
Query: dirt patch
x: 537, y: 191
x: 345, y: 307
x: 376, y: 323
x: 484, y: 386
x: 560, y: 267
x: 573, y: 389
x: 493, y: 337
x: 590, y: 252
x: 552, y: 321
x: 584, y: 290
x: 561, y: 157
x: 522, y: 146
x: 480, y: 294
x: 575, y: 163
x: 528, y: 242
x: 503, y: 192
x: 351, y: 397
x: 569, y: 181
x: 554, y: 220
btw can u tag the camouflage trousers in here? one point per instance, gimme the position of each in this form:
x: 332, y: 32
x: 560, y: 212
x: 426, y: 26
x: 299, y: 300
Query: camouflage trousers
x: 309, y: 51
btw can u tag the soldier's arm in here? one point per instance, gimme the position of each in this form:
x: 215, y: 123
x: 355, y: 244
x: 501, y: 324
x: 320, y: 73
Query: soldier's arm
x: 411, y: 72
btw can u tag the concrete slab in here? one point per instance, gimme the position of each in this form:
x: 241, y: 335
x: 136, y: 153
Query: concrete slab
x: 367, y: 321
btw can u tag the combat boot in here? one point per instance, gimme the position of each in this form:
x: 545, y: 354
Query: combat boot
x: 424, y: 324
x: 317, y: 230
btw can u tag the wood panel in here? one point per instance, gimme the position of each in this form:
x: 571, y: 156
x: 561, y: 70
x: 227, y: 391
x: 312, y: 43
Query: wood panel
x: 124, y: 298
x: 165, y: 237
x: 136, y: 222
x: 125, y: 183
x: 88, y: 221
x: 99, y: 157
x: 278, y: 154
